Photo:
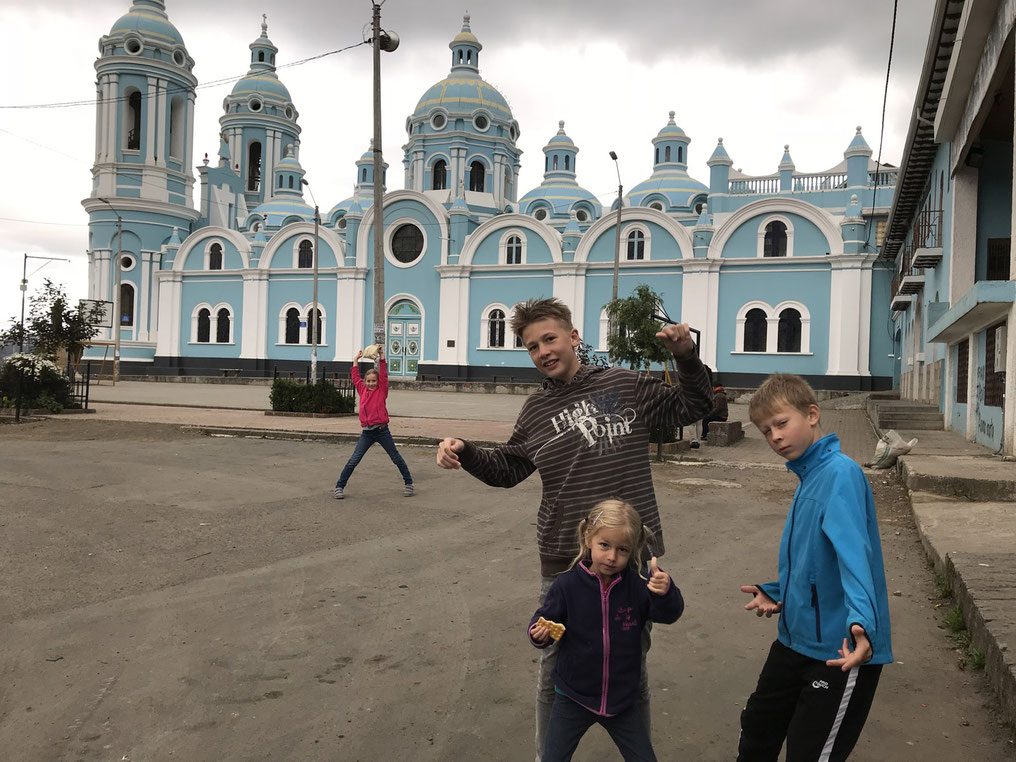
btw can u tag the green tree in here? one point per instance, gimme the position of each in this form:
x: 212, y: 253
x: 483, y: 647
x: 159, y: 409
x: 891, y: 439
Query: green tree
x: 52, y: 324
x: 632, y: 339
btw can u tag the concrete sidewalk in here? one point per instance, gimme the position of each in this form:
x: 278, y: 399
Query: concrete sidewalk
x: 963, y: 496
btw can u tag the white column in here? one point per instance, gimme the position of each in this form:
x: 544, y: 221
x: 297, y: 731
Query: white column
x: 700, y: 294
x: 963, y: 235
x: 864, y: 326
x: 188, y: 148
x: 170, y: 290
x: 235, y: 155
x: 1009, y: 409
x: 349, y: 322
x: 569, y: 287
x: 141, y: 319
x: 152, y: 99
x: 162, y: 124
x: 454, y: 317
x: 268, y: 161
x: 153, y: 327
x: 844, y: 316
x: 100, y: 115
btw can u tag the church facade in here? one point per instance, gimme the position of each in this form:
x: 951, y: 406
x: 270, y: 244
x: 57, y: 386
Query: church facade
x: 779, y: 272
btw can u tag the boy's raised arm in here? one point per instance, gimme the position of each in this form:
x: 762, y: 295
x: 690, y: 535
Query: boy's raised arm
x: 691, y: 399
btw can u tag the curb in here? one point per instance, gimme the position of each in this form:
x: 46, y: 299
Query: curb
x: 315, y: 436
x: 966, y: 487
x: 977, y: 591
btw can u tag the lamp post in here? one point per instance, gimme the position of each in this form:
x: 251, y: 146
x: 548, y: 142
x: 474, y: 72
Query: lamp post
x: 116, y: 290
x: 21, y: 330
x: 314, y: 309
x: 617, y: 240
x: 387, y: 41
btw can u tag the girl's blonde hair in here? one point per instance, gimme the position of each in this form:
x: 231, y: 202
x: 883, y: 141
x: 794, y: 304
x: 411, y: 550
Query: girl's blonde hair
x: 374, y: 371
x: 615, y: 514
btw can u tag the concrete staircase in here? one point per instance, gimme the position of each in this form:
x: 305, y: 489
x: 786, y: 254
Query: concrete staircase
x: 904, y: 414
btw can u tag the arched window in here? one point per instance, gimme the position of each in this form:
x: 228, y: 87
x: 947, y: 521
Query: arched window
x: 495, y: 329
x: 126, y: 305
x: 221, y: 328
x: 755, y: 330
x: 656, y: 156
x: 789, y: 335
x: 215, y: 256
x: 513, y: 251
x: 133, y: 126
x: 680, y: 153
x: 567, y: 162
x: 508, y: 190
x: 290, y: 181
x: 636, y: 245
x: 292, y: 326
x: 176, y: 127
x: 261, y: 56
x: 305, y: 258
x: 440, y: 172
x: 555, y: 161
x: 477, y: 175
x: 280, y: 181
x: 310, y: 326
x: 204, y: 325
x: 666, y: 153
x: 775, y: 242
x: 363, y: 174
x: 254, y: 167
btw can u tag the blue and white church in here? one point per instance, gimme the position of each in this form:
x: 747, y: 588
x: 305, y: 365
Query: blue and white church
x: 779, y: 272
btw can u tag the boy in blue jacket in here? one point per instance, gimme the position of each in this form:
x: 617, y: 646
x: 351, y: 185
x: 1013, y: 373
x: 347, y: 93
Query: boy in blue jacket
x: 819, y: 680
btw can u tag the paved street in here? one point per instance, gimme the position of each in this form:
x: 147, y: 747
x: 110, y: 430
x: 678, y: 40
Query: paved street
x: 169, y: 595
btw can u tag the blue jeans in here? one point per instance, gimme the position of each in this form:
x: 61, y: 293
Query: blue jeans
x: 569, y: 721
x: 368, y: 437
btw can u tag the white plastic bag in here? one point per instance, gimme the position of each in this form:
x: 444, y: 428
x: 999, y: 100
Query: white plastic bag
x: 890, y: 446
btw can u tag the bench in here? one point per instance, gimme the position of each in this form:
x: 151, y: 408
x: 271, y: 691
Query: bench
x: 235, y: 372
x: 724, y: 433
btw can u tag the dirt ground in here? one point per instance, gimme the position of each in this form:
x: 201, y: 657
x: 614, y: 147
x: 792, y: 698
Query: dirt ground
x: 173, y: 596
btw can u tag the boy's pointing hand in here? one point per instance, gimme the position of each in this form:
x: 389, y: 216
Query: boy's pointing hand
x: 677, y: 338
x: 448, y: 452
x: 659, y: 580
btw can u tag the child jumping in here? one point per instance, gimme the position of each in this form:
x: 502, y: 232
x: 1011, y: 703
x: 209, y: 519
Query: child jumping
x: 604, y: 603
x: 819, y: 680
x: 373, y: 391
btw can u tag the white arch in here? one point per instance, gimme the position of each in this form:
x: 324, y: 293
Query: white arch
x: 505, y: 221
x: 742, y: 316
x: 214, y: 328
x: 242, y: 245
x: 760, y: 252
x: 805, y: 322
x: 647, y: 239
x: 294, y: 233
x: 773, y: 325
x: 280, y: 338
x: 822, y: 220
x: 502, y: 246
x: 485, y: 324
x: 367, y: 224
x: 678, y: 231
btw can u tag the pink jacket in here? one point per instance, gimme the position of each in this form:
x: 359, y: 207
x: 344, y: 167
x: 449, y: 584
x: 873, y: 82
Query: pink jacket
x: 372, y: 401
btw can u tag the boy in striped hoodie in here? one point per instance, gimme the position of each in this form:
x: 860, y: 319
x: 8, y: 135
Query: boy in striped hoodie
x: 587, y: 433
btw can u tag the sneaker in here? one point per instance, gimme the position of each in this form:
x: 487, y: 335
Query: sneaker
x: 408, y: 491
x: 337, y: 493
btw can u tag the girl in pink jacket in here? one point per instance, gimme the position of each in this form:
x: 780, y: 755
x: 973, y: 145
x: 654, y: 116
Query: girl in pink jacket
x: 373, y: 390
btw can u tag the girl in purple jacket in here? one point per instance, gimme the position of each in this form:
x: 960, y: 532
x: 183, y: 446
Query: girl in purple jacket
x: 373, y: 391
x: 605, y: 603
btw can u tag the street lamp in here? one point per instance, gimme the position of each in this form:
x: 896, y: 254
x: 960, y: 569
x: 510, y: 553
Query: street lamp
x: 617, y: 241
x: 314, y: 310
x: 21, y: 330
x: 387, y: 41
x: 116, y: 291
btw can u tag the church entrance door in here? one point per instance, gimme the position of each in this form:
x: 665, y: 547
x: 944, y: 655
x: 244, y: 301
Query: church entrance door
x: 404, y: 334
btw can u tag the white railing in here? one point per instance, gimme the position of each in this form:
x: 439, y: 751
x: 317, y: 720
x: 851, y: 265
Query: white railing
x: 885, y: 178
x: 820, y: 182
x: 754, y: 186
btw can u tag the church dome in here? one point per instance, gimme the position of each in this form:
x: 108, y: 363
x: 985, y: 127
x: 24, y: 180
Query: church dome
x: 283, y: 209
x: 148, y: 19
x: 261, y: 79
x: 560, y: 194
x: 670, y: 188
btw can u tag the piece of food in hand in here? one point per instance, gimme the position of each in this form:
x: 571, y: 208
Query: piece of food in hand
x: 371, y: 352
x: 556, y: 630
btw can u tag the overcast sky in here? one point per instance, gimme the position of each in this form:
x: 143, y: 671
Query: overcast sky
x: 759, y: 73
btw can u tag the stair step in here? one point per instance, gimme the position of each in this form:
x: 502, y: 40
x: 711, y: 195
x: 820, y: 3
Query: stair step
x: 917, y: 425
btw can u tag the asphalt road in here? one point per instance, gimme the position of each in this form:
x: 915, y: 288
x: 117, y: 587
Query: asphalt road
x: 172, y: 596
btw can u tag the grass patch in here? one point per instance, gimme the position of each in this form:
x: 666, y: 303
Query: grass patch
x: 974, y: 658
x: 942, y: 585
x: 954, y: 620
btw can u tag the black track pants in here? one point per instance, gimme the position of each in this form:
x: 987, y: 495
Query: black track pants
x: 819, y: 710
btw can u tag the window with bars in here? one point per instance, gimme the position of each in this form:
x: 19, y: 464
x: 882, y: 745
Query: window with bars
x: 215, y: 257
x: 775, y: 241
x: 513, y: 251
x: 204, y: 325
x: 788, y: 337
x: 305, y: 256
x: 495, y: 329
x: 636, y: 245
x: 998, y: 259
x: 994, y: 378
x: 962, y: 370
x: 292, y: 326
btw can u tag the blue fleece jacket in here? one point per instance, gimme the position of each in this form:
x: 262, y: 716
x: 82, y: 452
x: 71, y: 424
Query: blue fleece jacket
x: 831, y: 573
x: 600, y: 658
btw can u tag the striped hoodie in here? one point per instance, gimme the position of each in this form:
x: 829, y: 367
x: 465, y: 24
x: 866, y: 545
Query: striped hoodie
x: 589, y: 439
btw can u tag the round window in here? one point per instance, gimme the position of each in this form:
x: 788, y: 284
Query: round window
x: 126, y: 263
x: 540, y: 214
x: 513, y: 132
x: 481, y: 122
x: 581, y: 215
x: 407, y: 243
x: 698, y: 207
x: 438, y: 121
x: 133, y: 46
x: 254, y: 104
x: 178, y: 57
x: 289, y: 112
x: 341, y: 225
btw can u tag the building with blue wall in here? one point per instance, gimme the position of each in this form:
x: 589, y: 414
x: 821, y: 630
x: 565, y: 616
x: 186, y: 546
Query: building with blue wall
x: 779, y: 272
x: 950, y: 226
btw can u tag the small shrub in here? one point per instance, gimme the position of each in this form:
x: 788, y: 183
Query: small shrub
x: 944, y: 588
x: 295, y: 397
x: 42, y: 382
x: 975, y: 658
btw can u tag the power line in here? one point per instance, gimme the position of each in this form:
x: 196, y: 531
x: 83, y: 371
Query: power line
x: 42, y: 222
x: 170, y: 91
x: 881, y: 134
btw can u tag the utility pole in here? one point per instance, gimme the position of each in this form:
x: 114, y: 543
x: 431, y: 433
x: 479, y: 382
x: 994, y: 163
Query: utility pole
x: 116, y: 290
x: 387, y: 41
x: 617, y: 240
x: 314, y: 338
